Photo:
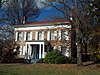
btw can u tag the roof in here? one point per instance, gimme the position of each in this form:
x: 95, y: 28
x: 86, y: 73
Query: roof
x: 44, y: 22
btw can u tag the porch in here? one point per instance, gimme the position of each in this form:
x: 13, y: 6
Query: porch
x: 36, y: 50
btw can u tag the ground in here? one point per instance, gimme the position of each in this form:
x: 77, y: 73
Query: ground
x: 48, y: 69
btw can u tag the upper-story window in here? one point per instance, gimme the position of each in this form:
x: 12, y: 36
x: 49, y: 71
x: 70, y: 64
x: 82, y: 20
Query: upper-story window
x: 19, y: 36
x: 40, y: 35
x: 53, y: 35
x: 64, y: 35
x: 27, y: 35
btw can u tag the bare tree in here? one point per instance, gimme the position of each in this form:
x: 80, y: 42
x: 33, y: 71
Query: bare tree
x: 78, y: 10
x: 21, y: 11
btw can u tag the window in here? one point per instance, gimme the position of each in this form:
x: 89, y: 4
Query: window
x: 40, y: 35
x: 64, y: 35
x: 19, y: 36
x: 53, y: 35
x: 65, y: 51
x: 28, y: 36
x: 54, y: 47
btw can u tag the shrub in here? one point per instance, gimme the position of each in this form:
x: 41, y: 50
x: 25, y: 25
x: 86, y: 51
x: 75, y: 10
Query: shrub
x: 40, y: 60
x: 72, y: 60
x: 61, y: 60
x: 55, y: 57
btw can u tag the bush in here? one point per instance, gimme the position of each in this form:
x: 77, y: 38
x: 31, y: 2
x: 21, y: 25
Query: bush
x: 55, y: 57
x: 61, y: 60
x: 72, y: 60
x: 40, y: 60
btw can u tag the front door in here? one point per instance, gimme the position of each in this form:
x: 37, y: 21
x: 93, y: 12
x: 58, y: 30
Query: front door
x: 35, y: 52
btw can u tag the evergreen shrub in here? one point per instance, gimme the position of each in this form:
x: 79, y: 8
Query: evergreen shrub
x: 56, y: 57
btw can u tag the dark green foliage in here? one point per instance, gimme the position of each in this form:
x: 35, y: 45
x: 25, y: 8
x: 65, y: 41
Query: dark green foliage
x: 61, y: 60
x: 40, y: 60
x: 56, y: 57
x: 72, y: 60
x: 51, y: 57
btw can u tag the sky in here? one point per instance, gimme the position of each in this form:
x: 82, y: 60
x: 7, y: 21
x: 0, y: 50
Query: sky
x: 44, y: 11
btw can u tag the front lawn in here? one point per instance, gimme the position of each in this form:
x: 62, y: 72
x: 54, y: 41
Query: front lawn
x: 47, y: 69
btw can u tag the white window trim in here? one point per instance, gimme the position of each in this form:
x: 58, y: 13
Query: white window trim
x: 16, y: 36
x: 42, y: 35
x: 48, y: 35
x: 54, y: 37
x: 25, y: 36
x: 30, y: 35
x: 36, y: 35
x: 59, y: 34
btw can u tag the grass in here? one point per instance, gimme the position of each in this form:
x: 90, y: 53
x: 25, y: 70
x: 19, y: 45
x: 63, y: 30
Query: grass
x: 47, y: 69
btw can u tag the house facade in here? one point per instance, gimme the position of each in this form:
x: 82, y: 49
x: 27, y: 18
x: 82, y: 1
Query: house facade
x: 36, y: 39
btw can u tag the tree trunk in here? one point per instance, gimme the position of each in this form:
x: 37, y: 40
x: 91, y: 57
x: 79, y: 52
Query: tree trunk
x: 79, y: 55
x: 85, y: 51
x: 78, y: 40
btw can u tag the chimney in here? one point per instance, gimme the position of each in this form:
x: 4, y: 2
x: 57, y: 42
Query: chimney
x: 23, y: 20
x: 71, y: 15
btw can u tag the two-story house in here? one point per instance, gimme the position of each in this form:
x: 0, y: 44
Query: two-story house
x: 36, y: 39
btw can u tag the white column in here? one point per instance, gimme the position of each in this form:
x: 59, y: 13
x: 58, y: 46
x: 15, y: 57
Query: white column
x: 24, y: 49
x: 43, y: 52
x: 39, y: 51
x: 28, y: 50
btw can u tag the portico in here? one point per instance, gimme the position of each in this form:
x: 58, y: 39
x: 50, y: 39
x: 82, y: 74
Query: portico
x: 35, y: 50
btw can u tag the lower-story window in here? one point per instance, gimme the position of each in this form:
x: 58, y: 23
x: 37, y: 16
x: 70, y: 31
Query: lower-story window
x: 65, y: 51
